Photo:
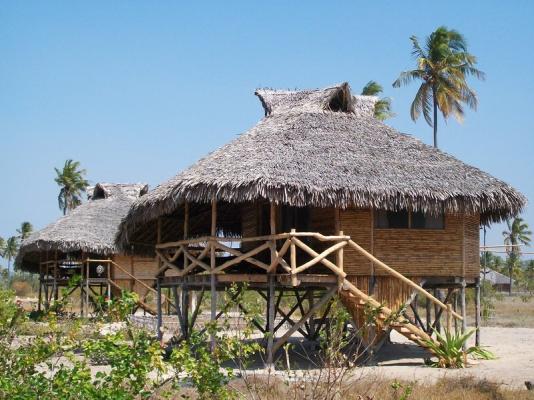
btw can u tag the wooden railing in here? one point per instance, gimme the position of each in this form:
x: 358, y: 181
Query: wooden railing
x: 112, y: 282
x: 199, y: 256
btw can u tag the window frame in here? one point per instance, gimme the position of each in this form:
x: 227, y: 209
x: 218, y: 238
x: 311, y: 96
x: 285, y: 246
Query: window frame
x: 410, y: 222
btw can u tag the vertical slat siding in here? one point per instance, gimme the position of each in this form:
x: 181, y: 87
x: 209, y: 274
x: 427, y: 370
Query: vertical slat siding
x: 356, y: 223
x: 145, y: 270
x: 249, y: 224
x: 472, y: 243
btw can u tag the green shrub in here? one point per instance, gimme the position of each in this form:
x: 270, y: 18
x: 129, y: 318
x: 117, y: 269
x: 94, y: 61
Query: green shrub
x: 449, y: 349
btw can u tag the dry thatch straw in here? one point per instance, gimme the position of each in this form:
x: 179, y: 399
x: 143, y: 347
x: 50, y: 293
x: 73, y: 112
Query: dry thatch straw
x: 91, y: 227
x: 323, y: 148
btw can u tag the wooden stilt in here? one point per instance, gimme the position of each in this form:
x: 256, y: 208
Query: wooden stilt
x: 477, y: 312
x: 40, y: 285
x: 270, y: 320
x: 185, y: 310
x: 463, y: 306
x: 213, y: 264
x: 159, y: 324
x: 455, y: 306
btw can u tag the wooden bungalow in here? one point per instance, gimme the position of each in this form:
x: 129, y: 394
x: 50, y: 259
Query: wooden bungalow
x: 83, y: 243
x: 320, y: 199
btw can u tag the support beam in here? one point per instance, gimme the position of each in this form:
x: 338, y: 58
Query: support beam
x: 477, y: 312
x: 159, y: 324
x: 270, y: 320
x: 462, y: 304
x: 326, y: 297
x: 213, y: 265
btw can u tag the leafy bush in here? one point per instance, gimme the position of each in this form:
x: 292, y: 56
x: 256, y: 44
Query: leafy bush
x: 449, y: 350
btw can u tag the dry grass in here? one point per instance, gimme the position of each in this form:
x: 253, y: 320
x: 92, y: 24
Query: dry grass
x: 370, y: 389
x: 510, y: 312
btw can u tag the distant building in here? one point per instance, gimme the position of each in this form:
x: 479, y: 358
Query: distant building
x: 500, y: 282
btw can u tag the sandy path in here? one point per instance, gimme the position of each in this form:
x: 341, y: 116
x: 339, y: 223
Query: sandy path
x: 513, y: 346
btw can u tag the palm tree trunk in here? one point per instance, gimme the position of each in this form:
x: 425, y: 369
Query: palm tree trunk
x: 435, y: 120
x: 510, y: 273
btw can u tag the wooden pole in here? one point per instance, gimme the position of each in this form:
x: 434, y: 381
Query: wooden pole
x: 293, y: 261
x: 87, y: 272
x: 462, y: 304
x: 339, y: 261
x: 40, y: 284
x: 272, y: 223
x: 56, y: 289
x: 185, y: 309
x: 270, y: 320
x: 159, y: 311
x: 81, y: 287
x: 477, y: 312
x: 213, y: 265
x: 428, y: 317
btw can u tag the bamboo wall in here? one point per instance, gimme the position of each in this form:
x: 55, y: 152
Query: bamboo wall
x: 449, y: 252
x: 143, y: 268
x: 414, y: 252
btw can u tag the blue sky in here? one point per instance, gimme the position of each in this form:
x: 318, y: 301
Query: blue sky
x: 137, y: 90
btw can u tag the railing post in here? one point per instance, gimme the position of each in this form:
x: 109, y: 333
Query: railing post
x: 272, y: 219
x: 293, y: 255
x: 213, y: 265
x: 339, y: 261
x: 449, y: 318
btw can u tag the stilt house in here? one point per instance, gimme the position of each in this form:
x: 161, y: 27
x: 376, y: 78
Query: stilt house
x: 321, y: 199
x: 83, y: 243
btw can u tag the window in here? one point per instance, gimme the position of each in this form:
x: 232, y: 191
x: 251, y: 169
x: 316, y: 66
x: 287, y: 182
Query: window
x: 408, y: 220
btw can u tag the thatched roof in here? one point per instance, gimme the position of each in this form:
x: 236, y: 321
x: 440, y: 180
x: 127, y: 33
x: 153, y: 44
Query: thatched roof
x: 91, y: 227
x: 324, y: 148
x: 495, y: 277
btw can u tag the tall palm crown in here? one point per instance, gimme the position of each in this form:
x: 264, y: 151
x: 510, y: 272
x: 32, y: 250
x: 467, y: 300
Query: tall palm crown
x: 517, y: 234
x: 25, y: 230
x: 72, y: 182
x: 383, y: 105
x: 443, y: 66
x: 10, y: 251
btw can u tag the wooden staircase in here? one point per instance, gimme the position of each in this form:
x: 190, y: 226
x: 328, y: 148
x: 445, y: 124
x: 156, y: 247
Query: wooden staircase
x: 355, y: 300
x: 384, y: 319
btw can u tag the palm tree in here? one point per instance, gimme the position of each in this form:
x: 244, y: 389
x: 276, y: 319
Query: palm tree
x: 443, y: 66
x: 10, y: 251
x: 383, y: 105
x: 25, y: 230
x: 72, y: 183
x: 516, y: 235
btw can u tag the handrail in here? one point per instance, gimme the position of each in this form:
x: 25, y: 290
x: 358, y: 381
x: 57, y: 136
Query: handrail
x: 293, y: 238
x: 398, y: 275
x: 165, y: 299
x: 279, y: 236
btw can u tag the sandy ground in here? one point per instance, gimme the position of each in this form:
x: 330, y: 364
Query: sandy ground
x: 513, y: 347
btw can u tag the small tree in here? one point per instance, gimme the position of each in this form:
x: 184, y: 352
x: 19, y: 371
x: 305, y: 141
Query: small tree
x: 517, y: 234
x: 71, y: 180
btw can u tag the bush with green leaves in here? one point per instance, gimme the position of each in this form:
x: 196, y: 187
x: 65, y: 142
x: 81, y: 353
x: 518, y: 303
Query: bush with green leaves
x: 451, y: 352
x: 56, y: 365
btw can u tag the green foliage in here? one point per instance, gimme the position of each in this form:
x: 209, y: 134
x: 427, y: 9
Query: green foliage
x: 443, y: 65
x: 196, y: 362
x: 72, y: 183
x: 383, y: 105
x: 401, y: 391
x: 55, y: 365
x: 449, y: 349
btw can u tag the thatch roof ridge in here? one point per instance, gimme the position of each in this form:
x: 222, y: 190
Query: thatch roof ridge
x: 324, y: 158
x: 90, y: 227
